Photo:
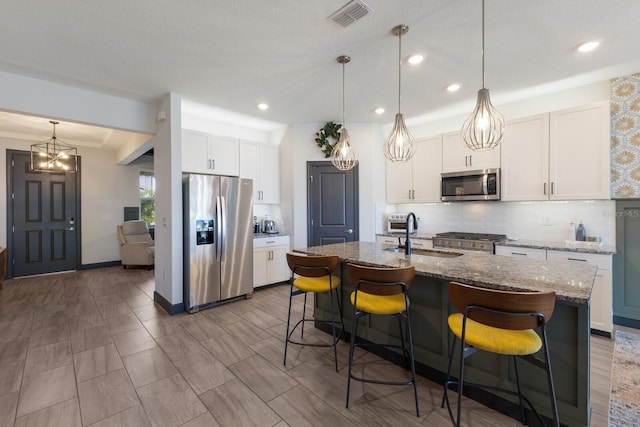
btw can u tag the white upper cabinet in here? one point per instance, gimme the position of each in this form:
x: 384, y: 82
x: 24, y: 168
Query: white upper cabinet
x: 417, y: 180
x: 563, y: 155
x: 261, y: 163
x: 525, y: 159
x: 579, y: 165
x: 204, y: 153
x: 456, y: 156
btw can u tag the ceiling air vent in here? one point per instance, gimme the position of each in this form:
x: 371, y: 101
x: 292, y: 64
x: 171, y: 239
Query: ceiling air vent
x: 350, y: 13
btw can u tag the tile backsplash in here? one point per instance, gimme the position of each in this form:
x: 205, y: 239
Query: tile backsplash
x: 519, y: 220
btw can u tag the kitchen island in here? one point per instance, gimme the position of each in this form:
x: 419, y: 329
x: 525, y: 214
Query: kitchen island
x: 568, y: 330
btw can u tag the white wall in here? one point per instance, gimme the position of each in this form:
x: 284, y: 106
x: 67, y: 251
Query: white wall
x: 106, y: 189
x: 31, y: 96
x: 298, y: 147
x: 168, y: 174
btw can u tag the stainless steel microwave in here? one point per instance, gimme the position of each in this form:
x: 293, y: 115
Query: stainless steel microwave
x: 482, y: 184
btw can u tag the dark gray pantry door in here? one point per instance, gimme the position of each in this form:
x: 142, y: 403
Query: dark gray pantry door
x: 332, y: 203
x: 42, y: 218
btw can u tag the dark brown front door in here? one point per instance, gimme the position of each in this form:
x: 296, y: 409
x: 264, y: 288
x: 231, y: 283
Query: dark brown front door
x: 42, y: 218
x: 332, y: 204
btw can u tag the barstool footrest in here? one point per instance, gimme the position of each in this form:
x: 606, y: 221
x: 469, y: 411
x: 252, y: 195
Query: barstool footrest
x: 335, y: 340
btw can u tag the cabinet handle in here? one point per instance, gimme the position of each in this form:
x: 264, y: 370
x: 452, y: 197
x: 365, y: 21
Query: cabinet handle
x: 465, y: 161
x: 518, y: 253
x: 270, y: 241
x: 213, y: 163
x: 413, y: 194
x: 409, y: 194
x: 470, y: 160
x: 544, y: 189
x: 576, y: 259
x: 261, y: 195
x: 552, y: 188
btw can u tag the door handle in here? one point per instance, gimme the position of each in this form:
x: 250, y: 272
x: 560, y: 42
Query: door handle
x: 69, y: 229
x: 349, y: 230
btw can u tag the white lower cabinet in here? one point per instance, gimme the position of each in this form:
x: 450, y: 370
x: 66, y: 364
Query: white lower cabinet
x: 415, y: 242
x: 532, y: 253
x: 601, y: 310
x: 270, y: 260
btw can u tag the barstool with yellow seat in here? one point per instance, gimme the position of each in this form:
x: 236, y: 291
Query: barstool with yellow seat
x: 500, y: 322
x: 381, y: 291
x: 314, y: 274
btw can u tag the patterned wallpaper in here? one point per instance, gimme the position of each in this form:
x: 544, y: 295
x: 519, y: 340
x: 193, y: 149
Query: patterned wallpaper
x: 625, y: 137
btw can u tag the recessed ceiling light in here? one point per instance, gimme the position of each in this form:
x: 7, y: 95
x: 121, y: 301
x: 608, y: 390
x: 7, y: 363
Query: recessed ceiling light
x: 379, y: 110
x: 588, y: 46
x: 415, y: 59
x: 263, y: 106
x: 453, y: 87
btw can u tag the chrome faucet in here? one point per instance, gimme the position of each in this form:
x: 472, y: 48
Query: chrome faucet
x: 407, y: 242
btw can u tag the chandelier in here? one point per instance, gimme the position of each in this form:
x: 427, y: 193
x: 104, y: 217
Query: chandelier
x: 400, y: 146
x: 484, y: 128
x: 54, y: 155
x: 343, y: 156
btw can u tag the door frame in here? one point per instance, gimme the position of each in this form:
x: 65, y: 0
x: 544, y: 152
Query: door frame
x: 9, y: 212
x: 356, y: 182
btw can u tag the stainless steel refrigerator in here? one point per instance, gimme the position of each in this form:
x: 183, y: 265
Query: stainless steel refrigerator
x: 218, y: 239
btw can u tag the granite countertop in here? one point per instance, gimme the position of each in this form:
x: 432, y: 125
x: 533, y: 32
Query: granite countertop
x: 267, y: 235
x: 414, y: 235
x: 571, y: 246
x: 571, y: 281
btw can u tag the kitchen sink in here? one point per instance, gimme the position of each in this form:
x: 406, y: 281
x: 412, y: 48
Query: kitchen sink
x: 425, y: 252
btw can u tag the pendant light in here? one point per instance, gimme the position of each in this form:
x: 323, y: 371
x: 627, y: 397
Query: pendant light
x: 343, y: 155
x: 400, y: 146
x: 54, y: 155
x: 484, y: 128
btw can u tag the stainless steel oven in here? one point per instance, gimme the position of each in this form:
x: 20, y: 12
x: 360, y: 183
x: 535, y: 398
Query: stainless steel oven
x: 482, y: 184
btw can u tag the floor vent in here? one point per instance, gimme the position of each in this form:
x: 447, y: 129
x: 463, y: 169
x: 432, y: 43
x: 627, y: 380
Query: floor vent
x: 350, y: 13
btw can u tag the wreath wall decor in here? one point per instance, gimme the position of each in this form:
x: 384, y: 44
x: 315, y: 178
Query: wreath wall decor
x: 329, y: 130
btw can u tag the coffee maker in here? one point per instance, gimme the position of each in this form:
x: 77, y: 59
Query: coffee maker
x: 269, y: 226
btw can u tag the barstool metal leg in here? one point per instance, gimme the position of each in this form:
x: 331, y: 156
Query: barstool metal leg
x: 286, y: 337
x: 354, y: 331
x: 522, y: 414
x: 333, y: 328
x: 413, y: 363
x: 552, y: 390
x: 304, y: 316
x: 460, y: 380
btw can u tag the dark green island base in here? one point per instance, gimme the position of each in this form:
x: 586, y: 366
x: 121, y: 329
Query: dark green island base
x: 568, y: 330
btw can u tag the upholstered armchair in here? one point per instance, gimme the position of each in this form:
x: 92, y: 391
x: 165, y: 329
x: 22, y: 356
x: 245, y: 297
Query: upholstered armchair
x: 136, y: 245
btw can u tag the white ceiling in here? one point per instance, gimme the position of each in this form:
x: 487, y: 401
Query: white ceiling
x: 234, y: 54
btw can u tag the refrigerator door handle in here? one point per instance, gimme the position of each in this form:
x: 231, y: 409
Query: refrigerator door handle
x: 219, y: 226
x: 223, y: 228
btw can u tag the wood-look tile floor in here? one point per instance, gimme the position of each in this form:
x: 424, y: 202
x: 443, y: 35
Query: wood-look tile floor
x: 90, y: 348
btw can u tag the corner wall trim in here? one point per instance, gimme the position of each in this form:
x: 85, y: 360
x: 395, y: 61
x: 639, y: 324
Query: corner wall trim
x: 166, y: 305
